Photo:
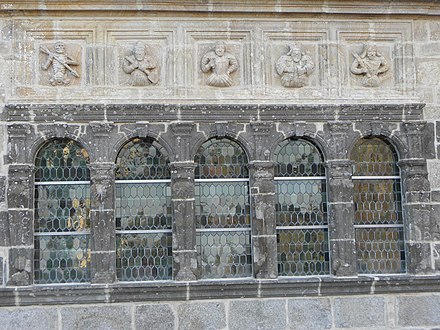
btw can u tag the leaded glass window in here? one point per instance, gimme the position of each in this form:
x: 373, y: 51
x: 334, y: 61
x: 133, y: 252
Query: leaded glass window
x: 301, y: 209
x: 62, y: 213
x: 143, y: 212
x: 378, y: 208
x: 222, y: 210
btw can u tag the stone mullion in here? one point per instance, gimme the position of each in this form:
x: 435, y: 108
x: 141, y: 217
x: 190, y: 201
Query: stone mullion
x: 102, y: 223
x: 184, y: 227
x: 341, y: 217
x: 264, y: 236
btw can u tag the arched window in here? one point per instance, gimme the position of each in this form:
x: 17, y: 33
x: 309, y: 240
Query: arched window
x: 222, y: 210
x: 301, y: 209
x: 378, y: 210
x: 143, y: 212
x: 62, y: 213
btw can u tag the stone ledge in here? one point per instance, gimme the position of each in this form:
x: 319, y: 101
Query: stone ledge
x: 131, y: 113
x: 216, y: 289
x: 261, y: 6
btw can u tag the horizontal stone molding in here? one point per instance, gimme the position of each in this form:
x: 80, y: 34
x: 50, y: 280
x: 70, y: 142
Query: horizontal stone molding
x: 217, y: 289
x: 208, y: 113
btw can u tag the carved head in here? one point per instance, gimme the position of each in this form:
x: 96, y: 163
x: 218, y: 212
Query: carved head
x: 295, y: 52
x: 59, y: 47
x: 371, y: 51
x: 220, y: 48
x: 139, y: 51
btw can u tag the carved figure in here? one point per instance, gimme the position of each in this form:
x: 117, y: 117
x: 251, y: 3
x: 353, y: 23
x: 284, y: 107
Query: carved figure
x: 142, y: 67
x: 61, y: 65
x: 221, y: 63
x: 294, y: 67
x: 371, y: 64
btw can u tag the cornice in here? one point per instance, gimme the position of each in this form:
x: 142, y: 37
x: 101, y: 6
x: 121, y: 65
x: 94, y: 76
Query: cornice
x: 372, y: 7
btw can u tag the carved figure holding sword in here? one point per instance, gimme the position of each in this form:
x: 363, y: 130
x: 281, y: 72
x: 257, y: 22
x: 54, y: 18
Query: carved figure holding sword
x: 61, y: 65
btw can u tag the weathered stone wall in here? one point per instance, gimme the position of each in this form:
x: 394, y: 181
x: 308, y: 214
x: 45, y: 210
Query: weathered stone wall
x: 102, y: 108
x: 378, y: 311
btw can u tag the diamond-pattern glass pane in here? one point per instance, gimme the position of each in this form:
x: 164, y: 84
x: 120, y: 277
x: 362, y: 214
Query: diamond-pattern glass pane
x: 380, y: 250
x: 62, y: 207
x: 144, y: 257
x: 62, y: 160
x: 375, y: 157
x: 142, y: 159
x: 298, y: 158
x: 143, y: 206
x: 62, y: 259
x: 377, y: 202
x: 219, y: 159
x: 303, y: 252
x: 301, y: 202
x: 225, y: 254
x: 222, y: 204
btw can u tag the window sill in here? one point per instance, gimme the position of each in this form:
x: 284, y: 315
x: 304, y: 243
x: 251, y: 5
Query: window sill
x: 86, y: 293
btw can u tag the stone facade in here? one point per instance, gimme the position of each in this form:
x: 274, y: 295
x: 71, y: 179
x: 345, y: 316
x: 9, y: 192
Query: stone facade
x: 112, y: 73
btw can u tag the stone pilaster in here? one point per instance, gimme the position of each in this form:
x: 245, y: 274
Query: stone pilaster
x: 264, y: 236
x: 102, y: 223
x: 20, y: 224
x: 420, y: 229
x: 341, y: 217
x: 341, y: 205
x: 184, y: 227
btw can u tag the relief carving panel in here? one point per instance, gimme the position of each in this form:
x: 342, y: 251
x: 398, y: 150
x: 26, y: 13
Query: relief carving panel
x: 62, y: 72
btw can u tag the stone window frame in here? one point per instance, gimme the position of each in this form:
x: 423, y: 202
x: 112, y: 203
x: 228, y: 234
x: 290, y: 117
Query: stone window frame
x: 408, y: 141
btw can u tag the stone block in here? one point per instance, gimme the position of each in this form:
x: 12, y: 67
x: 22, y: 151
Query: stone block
x: 99, y: 317
x: 340, y: 220
x: 20, y: 266
x: 265, y: 256
x: 198, y: 316
x: 20, y: 227
x: 185, y: 265
x: 426, y: 71
x: 103, y: 266
x: 34, y: 318
x: 2, y: 188
x: 436, y: 253
x: 263, y: 217
x: 343, y: 252
x: 156, y: 317
x: 183, y: 188
x: 421, y: 227
x: 418, y: 311
x: 309, y: 314
x: 257, y: 314
x: 419, y: 258
x: 19, y: 194
x: 4, y: 228
x: 368, y: 312
x: 340, y: 190
x: 184, y: 225
x: 434, y: 31
x: 102, y: 230
x: 434, y: 173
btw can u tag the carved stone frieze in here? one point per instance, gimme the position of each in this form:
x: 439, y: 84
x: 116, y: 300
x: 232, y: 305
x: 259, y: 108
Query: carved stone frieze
x: 294, y: 67
x: 371, y: 64
x: 101, y: 129
x: 142, y: 66
x: 61, y: 62
x: 220, y: 64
